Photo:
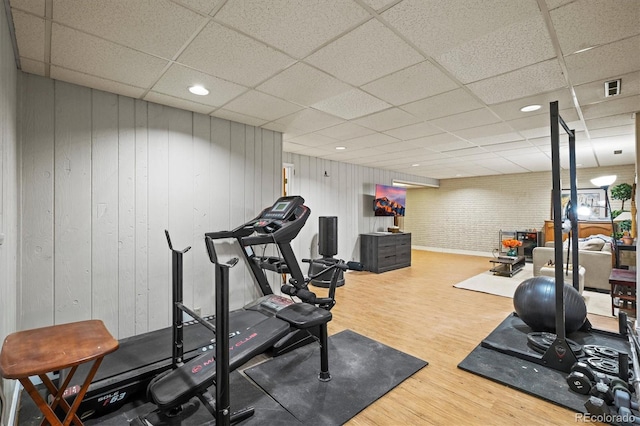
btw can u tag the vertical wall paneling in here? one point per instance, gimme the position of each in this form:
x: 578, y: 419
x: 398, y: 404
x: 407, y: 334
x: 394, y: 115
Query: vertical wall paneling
x: 252, y: 169
x: 73, y: 208
x: 10, y: 178
x: 126, y: 218
x: 236, y: 203
x: 220, y: 163
x: 204, y: 190
x: 158, y: 210
x: 36, y: 307
x: 181, y: 193
x: 141, y: 187
x: 104, y: 208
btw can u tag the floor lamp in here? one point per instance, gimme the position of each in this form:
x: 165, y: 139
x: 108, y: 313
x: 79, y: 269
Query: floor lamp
x: 604, y: 182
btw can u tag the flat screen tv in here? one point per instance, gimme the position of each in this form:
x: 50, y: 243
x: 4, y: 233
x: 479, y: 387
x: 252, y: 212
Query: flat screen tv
x: 389, y: 200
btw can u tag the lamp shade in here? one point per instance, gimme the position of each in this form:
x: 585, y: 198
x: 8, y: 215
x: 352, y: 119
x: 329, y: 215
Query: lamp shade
x: 622, y: 217
x: 604, y: 180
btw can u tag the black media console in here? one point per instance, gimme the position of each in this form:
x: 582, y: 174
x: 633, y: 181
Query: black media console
x: 381, y: 252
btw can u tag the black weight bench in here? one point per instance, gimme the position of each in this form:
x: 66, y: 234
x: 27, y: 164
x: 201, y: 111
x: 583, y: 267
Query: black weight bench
x: 194, y: 377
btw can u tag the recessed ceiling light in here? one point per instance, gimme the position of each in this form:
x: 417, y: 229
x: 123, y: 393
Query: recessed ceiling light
x: 415, y: 165
x: 530, y: 108
x: 198, y: 90
x: 341, y: 147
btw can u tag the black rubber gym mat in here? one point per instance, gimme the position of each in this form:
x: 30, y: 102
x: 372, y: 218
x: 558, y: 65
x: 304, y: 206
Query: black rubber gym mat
x: 243, y: 393
x: 527, y: 376
x: 362, y: 370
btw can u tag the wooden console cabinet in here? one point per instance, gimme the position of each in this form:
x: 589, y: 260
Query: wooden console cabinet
x: 585, y: 229
x: 381, y: 252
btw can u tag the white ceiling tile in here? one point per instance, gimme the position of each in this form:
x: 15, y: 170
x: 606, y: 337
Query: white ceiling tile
x: 365, y: 54
x: 611, y: 121
x: 387, y: 119
x: 508, y: 166
x: 604, y: 62
x: 230, y: 55
x: 32, y: 6
x: 502, y: 147
x: 613, y: 131
x: 528, y: 81
x: 288, y: 132
x: 304, y: 85
x: 593, y: 92
x: 85, y: 53
x: 176, y: 81
x: 413, y: 131
x: 552, y: 4
x: 442, y: 139
x: 345, y: 131
x: 511, y: 47
x: 540, y: 121
x: 538, y: 162
x: 614, y: 106
x: 369, y: 141
x: 587, y: 23
x: 30, y: 36
x: 436, y: 26
x: 510, y: 110
x: 238, y: 118
x: 465, y: 120
x: 31, y: 66
x: 297, y: 27
x: 378, y: 4
x: 94, y: 82
x: 157, y: 27
x: 314, y: 140
x: 453, y: 102
x: 495, y: 130
x: 163, y: 99
x: 352, y: 104
x: 202, y: 6
x: 449, y: 146
x: 605, y: 148
x: 463, y: 152
x: 293, y: 147
x: 309, y: 120
x: 411, y: 84
x: 260, y: 105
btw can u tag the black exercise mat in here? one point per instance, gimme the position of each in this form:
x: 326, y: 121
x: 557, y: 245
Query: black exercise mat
x: 243, y: 393
x: 492, y: 360
x: 362, y: 370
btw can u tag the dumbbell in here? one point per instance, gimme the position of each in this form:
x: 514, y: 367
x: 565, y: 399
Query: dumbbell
x: 585, y: 381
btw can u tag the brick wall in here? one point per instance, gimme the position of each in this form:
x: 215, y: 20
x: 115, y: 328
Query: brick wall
x: 466, y: 214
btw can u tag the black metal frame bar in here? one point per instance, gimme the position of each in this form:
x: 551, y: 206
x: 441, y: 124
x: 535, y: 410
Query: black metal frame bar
x: 559, y: 356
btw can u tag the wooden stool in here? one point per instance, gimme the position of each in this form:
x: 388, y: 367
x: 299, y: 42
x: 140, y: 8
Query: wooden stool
x: 47, y: 349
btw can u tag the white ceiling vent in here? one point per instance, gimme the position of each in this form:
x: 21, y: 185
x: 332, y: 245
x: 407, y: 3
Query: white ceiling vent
x: 612, y: 88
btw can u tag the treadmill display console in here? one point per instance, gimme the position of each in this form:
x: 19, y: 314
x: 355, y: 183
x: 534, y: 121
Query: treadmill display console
x: 283, y: 208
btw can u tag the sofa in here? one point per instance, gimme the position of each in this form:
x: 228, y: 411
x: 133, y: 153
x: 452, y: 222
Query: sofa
x: 594, y: 254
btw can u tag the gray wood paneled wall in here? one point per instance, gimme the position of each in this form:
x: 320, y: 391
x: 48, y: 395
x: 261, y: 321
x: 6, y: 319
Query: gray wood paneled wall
x: 9, y: 184
x: 103, y: 177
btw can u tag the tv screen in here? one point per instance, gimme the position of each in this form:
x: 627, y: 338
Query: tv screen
x: 389, y: 200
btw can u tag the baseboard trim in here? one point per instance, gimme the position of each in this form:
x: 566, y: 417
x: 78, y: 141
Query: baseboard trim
x: 453, y: 251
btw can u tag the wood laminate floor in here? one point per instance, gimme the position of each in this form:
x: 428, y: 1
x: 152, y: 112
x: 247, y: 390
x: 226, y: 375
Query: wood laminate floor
x: 417, y: 310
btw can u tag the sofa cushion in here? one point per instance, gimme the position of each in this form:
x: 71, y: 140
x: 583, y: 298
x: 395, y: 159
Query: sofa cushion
x: 595, y: 244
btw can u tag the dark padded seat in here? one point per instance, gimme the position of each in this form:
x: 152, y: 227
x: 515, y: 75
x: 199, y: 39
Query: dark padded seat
x: 304, y: 315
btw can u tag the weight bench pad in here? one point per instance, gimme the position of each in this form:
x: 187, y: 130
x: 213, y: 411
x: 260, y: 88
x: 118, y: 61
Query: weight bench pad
x: 304, y: 315
x: 195, y: 376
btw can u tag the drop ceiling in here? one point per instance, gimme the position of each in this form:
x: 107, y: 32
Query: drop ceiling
x: 427, y: 87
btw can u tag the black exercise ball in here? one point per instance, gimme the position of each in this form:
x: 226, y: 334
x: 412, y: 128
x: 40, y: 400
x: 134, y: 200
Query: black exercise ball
x: 535, y: 303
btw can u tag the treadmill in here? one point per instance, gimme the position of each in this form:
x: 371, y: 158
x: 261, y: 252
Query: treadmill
x: 125, y: 374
